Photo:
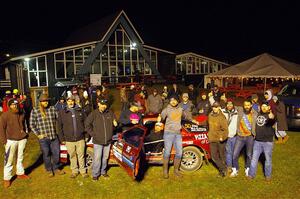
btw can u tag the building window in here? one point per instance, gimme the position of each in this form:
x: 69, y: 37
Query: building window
x: 37, y: 71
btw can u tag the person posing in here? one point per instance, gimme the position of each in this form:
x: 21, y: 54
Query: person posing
x: 86, y: 104
x: 204, y: 106
x: 129, y: 116
x: 263, y: 141
x: 172, y: 136
x: 246, y: 122
x: 70, y: 129
x: 231, y: 115
x: 281, y: 125
x: 217, y: 136
x: 14, y: 137
x: 43, y: 125
x: 187, y: 105
x: 255, y: 104
x: 99, y: 124
x: 193, y: 93
x: 154, y: 103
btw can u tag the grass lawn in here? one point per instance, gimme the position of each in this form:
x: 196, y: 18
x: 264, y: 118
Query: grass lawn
x: 200, y: 184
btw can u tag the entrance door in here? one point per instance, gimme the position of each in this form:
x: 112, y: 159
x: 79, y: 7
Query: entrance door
x: 127, y: 150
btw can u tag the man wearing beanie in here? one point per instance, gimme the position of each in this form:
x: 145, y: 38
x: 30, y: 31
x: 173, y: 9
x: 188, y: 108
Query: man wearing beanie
x: 263, y: 141
x: 14, y: 137
x: 172, y: 136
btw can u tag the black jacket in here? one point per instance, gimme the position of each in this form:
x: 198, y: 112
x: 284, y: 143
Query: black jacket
x: 65, y: 128
x: 100, y: 126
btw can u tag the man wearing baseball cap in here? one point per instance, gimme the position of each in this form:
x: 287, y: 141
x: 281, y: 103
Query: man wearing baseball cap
x: 14, y: 137
x: 43, y: 124
x: 99, y: 124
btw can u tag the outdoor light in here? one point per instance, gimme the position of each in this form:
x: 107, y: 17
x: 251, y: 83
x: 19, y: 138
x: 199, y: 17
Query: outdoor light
x: 7, y: 55
x: 133, y: 45
x: 26, y: 59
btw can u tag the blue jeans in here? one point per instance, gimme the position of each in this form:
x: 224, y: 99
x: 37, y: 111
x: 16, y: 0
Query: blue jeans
x: 172, y: 139
x: 101, y: 155
x: 229, y: 150
x: 240, y: 142
x: 50, y: 150
x: 259, y: 148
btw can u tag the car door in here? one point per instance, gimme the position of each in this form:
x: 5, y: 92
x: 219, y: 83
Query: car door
x: 127, y: 149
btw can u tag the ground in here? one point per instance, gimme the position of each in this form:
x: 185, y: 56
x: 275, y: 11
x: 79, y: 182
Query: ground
x: 200, y: 184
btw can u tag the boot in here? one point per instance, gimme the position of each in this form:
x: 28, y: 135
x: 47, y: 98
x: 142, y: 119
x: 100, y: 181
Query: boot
x: 166, y: 168
x: 6, y: 183
x: 279, y: 141
x: 177, y: 162
x: 285, y: 139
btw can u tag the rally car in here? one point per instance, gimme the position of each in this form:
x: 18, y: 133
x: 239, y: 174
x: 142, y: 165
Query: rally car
x: 141, y: 144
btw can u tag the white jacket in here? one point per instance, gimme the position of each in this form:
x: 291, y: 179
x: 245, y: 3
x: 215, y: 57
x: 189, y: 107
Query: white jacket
x: 232, y: 124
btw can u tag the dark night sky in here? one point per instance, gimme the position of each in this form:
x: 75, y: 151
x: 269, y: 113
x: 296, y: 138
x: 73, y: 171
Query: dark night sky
x: 227, y: 30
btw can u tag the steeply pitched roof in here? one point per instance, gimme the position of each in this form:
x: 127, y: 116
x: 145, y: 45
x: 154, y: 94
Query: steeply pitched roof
x: 264, y: 65
x: 96, y: 31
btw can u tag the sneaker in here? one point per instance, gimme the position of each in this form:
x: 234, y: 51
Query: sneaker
x: 268, y: 179
x: 6, y: 183
x: 50, y: 174
x: 24, y: 177
x: 247, y: 171
x: 73, y: 175
x: 105, y: 175
x: 95, y: 179
x: 59, y: 172
x: 234, y: 172
x: 85, y: 175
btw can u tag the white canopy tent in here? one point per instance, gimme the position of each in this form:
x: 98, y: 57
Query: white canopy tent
x: 263, y: 66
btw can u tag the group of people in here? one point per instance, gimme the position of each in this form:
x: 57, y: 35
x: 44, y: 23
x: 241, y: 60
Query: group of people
x: 80, y: 116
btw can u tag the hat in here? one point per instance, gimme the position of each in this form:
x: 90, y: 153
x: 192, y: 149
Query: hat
x: 254, y: 96
x: 103, y: 101
x: 174, y: 97
x: 203, y: 93
x: 275, y: 98
x: 216, y: 104
x: 134, y: 116
x: 137, y: 104
x: 265, y: 103
x: 8, y: 92
x: 71, y: 97
x: 44, y: 97
x: 229, y: 100
x: 12, y: 101
x: 15, y: 91
x: 185, y: 95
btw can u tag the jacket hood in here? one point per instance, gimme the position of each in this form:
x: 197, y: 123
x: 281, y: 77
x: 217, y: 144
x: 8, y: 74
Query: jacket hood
x: 270, y: 94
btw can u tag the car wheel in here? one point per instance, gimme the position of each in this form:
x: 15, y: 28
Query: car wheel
x: 89, y: 157
x: 192, y: 159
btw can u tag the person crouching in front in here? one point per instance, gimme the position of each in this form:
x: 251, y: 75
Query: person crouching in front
x: 70, y: 129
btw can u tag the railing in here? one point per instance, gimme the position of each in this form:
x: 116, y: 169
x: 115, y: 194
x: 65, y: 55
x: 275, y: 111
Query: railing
x: 5, y: 83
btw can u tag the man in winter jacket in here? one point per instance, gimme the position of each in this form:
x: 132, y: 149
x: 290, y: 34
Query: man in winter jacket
x: 204, y: 106
x: 14, y: 137
x: 99, y: 124
x: 231, y: 115
x: 263, y: 141
x: 217, y: 136
x: 187, y: 105
x: 246, y: 122
x: 70, y: 129
x: 154, y: 103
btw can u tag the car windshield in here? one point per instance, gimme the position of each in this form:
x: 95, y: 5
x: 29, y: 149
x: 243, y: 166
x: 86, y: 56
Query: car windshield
x: 290, y: 90
x: 133, y: 136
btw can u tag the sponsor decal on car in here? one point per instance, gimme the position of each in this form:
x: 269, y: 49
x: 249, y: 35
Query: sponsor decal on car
x: 200, y: 136
x: 128, y: 162
x: 187, y: 142
x: 128, y: 149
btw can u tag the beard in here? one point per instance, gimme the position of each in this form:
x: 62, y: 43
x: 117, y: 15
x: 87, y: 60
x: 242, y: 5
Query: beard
x: 14, y: 110
x: 247, y: 111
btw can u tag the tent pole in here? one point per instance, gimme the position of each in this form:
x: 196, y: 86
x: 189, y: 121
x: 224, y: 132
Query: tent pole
x: 242, y: 84
x: 265, y: 85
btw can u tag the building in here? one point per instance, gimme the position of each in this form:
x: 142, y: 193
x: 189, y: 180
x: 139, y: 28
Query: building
x: 192, y: 67
x: 110, y: 47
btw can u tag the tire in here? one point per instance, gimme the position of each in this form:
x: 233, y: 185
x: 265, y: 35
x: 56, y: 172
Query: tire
x: 89, y: 158
x: 192, y: 159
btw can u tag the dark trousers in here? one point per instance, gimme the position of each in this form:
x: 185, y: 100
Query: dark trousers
x: 217, y: 150
x: 50, y: 149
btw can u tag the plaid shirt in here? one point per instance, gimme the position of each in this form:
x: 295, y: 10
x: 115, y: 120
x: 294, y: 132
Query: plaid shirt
x: 44, y: 126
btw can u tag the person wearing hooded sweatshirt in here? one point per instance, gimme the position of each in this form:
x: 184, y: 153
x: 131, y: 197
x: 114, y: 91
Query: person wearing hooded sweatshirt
x: 231, y: 115
x: 154, y: 103
x: 172, y: 136
x: 204, y: 106
x: 268, y: 95
x: 263, y: 141
x: 14, y: 137
x: 281, y: 125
